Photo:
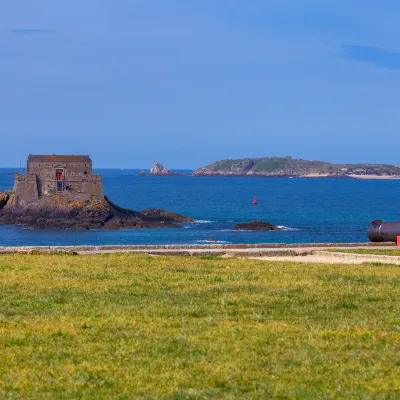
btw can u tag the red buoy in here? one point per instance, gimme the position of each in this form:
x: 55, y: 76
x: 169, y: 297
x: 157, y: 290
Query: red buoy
x: 254, y: 200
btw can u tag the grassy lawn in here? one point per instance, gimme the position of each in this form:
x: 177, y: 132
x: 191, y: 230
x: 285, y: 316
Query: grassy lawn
x: 378, y: 252
x: 138, y: 327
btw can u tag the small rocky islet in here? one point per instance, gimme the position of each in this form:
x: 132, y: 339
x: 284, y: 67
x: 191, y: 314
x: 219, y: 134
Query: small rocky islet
x: 61, y: 192
x: 256, y: 226
x: 72, y: 210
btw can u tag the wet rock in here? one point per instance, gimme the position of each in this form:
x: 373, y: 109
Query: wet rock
x: 157, y: 214
x: 72, y: 210
x: 256, y: 226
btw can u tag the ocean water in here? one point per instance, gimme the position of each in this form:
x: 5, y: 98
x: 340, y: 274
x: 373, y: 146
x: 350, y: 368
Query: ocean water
x: 311, y: 210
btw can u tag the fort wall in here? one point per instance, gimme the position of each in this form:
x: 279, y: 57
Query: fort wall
x: 25, y: 190
x: 44, y: 177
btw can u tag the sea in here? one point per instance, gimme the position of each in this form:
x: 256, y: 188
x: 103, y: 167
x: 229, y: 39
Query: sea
x: 310, y: 210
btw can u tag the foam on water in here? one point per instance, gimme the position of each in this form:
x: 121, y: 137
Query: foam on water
x: 286, y: 228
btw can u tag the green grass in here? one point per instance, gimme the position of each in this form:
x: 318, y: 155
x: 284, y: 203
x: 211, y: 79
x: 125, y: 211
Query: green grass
x: 137, y: 327
x: 378, y: 252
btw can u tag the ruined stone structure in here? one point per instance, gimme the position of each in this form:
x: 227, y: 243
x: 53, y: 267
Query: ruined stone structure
x: 56, y: 173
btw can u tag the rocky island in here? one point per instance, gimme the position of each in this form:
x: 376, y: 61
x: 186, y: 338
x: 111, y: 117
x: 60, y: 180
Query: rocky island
x: 62, y: 192
x: 290, y: 167
x: 159, y: 169
x: 256, y: 226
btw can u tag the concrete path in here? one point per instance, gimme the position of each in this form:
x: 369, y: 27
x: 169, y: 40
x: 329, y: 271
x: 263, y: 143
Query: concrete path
x: 325, y: 257
x: 309, y: 253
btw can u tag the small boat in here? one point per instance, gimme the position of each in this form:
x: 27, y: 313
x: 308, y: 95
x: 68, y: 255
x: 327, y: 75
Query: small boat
x: 254, y: 200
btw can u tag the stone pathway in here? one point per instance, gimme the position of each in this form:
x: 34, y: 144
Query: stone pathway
x: 325, y: 257
x: 308, y: 253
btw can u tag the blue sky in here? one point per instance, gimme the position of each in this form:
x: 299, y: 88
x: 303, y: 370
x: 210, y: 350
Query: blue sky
x: 187, y: 82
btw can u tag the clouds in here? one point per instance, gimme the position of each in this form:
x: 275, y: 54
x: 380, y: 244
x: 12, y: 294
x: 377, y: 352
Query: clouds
x: 377, y: 56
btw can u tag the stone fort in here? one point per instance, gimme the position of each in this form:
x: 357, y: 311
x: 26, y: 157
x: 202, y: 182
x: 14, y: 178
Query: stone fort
x: 52, y: 174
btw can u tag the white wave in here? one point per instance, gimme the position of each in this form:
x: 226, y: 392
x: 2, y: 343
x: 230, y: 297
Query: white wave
x: 200, y: 221
x: 281, y: 227
x: 287, y: 228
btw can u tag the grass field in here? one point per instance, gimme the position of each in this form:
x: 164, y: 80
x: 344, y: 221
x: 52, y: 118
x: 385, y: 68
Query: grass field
x: 378, y: 252
x: 138, y: 327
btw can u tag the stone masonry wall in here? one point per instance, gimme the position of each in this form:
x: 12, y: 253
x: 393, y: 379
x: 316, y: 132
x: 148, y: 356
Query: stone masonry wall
x: 40, y: 179
x: 25, y: 189
x: 77, y: 176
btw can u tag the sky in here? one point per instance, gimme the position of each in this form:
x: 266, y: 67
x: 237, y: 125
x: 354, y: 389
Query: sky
x: 188, y: 82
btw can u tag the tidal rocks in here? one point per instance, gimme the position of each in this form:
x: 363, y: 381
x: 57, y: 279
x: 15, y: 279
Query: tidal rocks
x: 72, y: 210
x: 158, y: 213
x: 256, y: 226
x: 159, y: 169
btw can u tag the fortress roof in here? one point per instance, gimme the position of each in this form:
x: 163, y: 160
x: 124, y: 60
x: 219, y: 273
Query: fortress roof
x: 58, y: 158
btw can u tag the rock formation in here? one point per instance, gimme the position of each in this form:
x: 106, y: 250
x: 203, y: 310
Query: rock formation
x: 159, y: 214
x: 158, y: 169
x: 72, y: 210
x: 256, y: 226
x: 5, y: 198
x: 60, y: 191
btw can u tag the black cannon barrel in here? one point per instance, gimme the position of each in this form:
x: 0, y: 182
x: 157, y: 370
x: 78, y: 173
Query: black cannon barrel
x: 379, y: 231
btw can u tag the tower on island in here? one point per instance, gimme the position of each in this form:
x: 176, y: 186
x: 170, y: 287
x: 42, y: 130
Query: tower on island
x: 52, y: 174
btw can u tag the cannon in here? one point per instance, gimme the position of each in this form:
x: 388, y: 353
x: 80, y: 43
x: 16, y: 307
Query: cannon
x: 379, y: 231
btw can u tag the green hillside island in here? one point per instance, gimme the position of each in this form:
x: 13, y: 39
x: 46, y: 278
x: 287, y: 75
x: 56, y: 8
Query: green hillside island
x: 288, y: 166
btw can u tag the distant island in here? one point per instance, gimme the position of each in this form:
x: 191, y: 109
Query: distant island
x: 290, y: 167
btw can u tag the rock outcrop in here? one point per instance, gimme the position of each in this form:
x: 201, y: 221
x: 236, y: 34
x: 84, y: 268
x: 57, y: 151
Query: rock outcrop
x: 256, y: 226
x: 72, y: 210
x: 5, y: 198
x: 243, y: 166
x: 159, y: 169
x: 158, y: 213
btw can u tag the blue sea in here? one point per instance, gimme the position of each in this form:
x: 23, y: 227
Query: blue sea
x: 311, y: 210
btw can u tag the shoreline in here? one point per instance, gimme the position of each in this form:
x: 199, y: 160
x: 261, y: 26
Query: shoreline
x: 308, y: 176
x: 383, y: 177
